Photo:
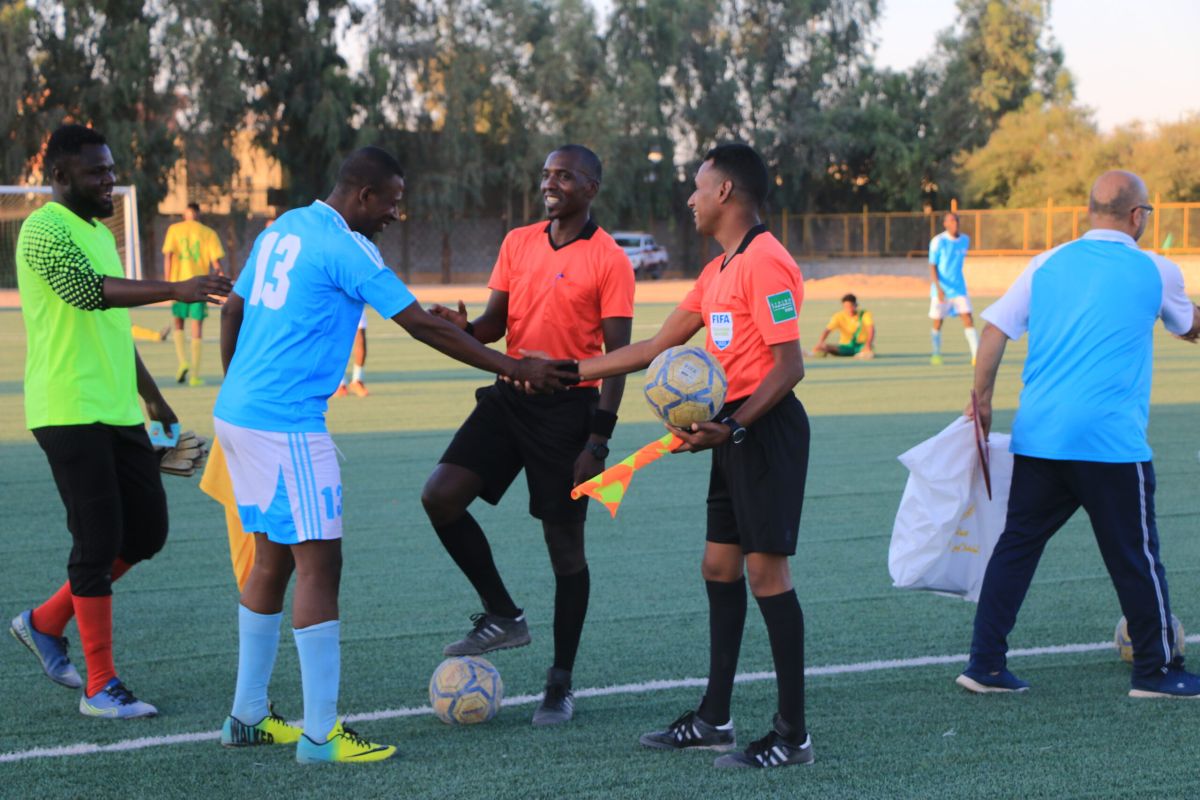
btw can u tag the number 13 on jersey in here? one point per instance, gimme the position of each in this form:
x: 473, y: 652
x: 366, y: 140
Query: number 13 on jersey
x: 277, y: 255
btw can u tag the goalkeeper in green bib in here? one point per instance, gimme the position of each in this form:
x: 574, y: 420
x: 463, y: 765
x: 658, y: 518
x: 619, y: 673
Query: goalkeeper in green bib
x: 82, y: 382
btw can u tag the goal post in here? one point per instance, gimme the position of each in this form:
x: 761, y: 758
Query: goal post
x: 18, y: 202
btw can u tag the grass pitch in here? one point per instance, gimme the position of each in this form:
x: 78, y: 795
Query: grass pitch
x: 899, y: 731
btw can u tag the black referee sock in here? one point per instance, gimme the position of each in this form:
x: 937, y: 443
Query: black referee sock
x: 466, y: 544
x: 785, y: 628
x: 726, y: 621
x: 570, y: 608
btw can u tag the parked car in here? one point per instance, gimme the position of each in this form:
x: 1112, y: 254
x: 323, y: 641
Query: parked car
x: 649, y: 259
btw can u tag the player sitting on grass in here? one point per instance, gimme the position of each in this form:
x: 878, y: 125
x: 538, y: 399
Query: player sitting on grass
x: 856, y: 332
x: 749, y: 301
x: 1079, y: 438
x: 286, y: 333
x: 82, y: 381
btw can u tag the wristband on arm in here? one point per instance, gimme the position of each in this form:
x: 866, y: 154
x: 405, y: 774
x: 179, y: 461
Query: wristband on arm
x: 603, y: 423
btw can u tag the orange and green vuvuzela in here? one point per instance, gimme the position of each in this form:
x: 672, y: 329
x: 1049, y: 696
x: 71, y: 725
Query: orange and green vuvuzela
x: 609, y: 486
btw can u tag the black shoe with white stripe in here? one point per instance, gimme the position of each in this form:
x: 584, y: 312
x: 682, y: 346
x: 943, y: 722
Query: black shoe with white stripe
x: 776, y: 749
x: 689, y: 732
x: 490, y: 633
x: 558, y: 703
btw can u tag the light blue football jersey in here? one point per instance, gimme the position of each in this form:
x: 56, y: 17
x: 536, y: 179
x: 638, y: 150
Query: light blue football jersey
x: 1090, y: 307
x: 948, y: 255
x: 304, y: 286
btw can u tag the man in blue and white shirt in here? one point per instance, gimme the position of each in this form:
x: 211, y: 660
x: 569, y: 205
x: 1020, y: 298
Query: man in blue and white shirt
x: 948, y: 286
x: 286, y: 333
x: 1079, y: 437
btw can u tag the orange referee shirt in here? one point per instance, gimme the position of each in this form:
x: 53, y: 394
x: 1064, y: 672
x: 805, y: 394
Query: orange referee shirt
x: 558, y: 295
x: 748, y: 305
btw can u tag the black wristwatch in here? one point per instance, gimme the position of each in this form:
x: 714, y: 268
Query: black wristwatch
x: 737, y: 433
x: 597, y: 449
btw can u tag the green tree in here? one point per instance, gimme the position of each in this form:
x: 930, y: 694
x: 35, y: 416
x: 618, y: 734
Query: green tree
x: 99, y: 64
x: 1035, y: 153
x: 768, y: 72
x: 879, y: 153
x: 442, y: 99
x: 560, y: 89
x: 212, y: 74
x: 305, y: 103
x: 17, y: 90
x: 997, y: 55
x: 1055, y: 152
x: 1167, y: 157
x: 811, y: 66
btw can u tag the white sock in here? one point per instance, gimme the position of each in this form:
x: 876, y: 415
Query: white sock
x: 972, y: 340
x: 357, y: 373
x: 935, y: 338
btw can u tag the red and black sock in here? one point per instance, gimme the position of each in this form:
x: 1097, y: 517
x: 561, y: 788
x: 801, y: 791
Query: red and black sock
x: 52, y: 616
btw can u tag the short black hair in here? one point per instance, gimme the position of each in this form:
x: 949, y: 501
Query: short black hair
x: 67, y: 141
x: 194, y: 206
x: 743, y: 165
x: 368, y: 166
x: 591, y: 161
x: 849, y: 298
x: 951, y: 214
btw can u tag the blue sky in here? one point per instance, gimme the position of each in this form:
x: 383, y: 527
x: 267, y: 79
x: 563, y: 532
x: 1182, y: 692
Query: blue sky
x: 1131, y: 61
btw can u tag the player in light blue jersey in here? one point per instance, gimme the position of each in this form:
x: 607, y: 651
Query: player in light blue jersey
x: 948, y: 287
x: 1079, y: 438
x: 286, y: 333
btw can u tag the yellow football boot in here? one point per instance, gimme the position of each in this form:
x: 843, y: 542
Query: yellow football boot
x: 271, y: 729
x: 343, y: 746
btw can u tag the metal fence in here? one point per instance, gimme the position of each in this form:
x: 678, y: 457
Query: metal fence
x: 464, y: 249
x: 993, y: 232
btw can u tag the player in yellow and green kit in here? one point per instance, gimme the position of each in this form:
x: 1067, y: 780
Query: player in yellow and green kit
x: 190, y: 249
x: 82, y: 382
x: 856, y: 332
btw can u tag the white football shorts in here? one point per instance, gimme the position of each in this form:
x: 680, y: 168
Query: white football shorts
x: 287, y: 485
x: 961, y: 305
x: 362, y: 321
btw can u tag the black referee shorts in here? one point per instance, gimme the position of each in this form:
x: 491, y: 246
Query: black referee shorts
x: 109, y: 481
x: 756, y: 488
x: 543, y: 434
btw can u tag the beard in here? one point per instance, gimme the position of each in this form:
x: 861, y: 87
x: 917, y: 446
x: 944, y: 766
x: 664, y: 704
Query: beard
x: 90, y: 202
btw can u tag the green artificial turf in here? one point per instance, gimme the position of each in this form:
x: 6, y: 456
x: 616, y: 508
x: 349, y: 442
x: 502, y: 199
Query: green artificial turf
x: 885, y: 732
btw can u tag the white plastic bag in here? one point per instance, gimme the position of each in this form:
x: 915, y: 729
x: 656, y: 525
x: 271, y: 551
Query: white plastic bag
x: 946, y: 527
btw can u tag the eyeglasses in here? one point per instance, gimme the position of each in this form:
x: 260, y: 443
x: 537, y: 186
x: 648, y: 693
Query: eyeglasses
x: 1148, y: 209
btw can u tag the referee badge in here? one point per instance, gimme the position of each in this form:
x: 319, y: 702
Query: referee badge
x: 783, y: 308
x: 720, y: 327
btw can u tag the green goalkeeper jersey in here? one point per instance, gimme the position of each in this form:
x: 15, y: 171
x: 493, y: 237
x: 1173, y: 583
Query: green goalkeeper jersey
x: 79, y: 365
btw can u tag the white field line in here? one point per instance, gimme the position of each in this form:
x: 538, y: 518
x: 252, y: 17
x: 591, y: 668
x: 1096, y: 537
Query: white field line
x: 87, y: 748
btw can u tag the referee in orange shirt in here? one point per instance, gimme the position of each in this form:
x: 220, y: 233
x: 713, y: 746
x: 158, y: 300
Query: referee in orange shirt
x: 749, y: 300
x: 566, y: 288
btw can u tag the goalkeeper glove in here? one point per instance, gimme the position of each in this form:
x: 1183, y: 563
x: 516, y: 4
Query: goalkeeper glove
x: 185, y: 457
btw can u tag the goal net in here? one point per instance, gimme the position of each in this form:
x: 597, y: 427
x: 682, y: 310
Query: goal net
x: 18, y: 202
